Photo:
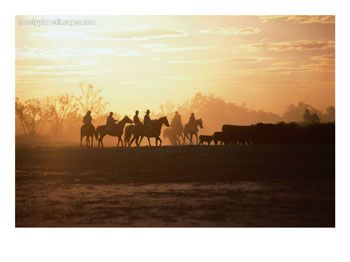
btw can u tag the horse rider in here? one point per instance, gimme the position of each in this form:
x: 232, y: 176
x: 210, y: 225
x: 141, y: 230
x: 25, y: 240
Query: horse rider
x: 176, y: 121
x: 87, y: 118
x: 136, y: 118
x: 110, y: 123
x: 147, y: 120
x: 192, y: 121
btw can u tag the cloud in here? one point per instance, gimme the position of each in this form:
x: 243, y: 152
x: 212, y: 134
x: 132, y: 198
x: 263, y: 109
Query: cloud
x: 300, y: 19
x: 298, y: 45
x: 231, y: 31
x: 141, y: 33
x: 246, y: 60
x: 324, y: 59
x: 320, y: 63
x: 183, y: 60
x: 59, y: 34
x: 61, y: 53
x: 163, y: 48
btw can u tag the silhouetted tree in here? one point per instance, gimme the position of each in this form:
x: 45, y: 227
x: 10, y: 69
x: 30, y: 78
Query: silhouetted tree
x: 329, y: 116
x: 91, y: 99
x: 310, y: 118
x: 60, y: 108
x: 295, y: 113
x: 33, y: 114
x: 166, y: 109
x: 215, y: 111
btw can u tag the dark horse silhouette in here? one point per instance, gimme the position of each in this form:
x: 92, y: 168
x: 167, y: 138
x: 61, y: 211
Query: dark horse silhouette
x: 88, y: 131
x: 189, y: 130
x: 141, y: 131
x: 118, y: 130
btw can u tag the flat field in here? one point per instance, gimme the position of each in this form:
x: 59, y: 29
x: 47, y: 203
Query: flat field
x: 176, y: 186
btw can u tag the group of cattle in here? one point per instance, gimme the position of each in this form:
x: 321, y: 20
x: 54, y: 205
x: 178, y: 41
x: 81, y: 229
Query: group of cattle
x: 281, y: 133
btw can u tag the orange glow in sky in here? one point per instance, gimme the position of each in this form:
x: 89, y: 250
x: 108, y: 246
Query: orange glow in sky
x: 143, y: 61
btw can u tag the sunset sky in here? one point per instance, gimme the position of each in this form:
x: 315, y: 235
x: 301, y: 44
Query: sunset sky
x: 141, y: 62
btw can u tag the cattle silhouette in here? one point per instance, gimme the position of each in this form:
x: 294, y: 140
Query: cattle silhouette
x: 205, y: 138
x: 280, y: 133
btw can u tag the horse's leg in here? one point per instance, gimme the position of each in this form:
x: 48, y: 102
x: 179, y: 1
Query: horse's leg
x: 139, y: 141
x: 149, y: 141
x: 188, y: 137
x: 119, y: 140
x: 81, y: 141
x: 160, y: 141
x: 92, y: 141
x: 132, y: 140
x: 196, y: 137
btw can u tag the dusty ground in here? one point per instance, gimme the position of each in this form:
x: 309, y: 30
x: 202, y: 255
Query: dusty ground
x: 274, y: 186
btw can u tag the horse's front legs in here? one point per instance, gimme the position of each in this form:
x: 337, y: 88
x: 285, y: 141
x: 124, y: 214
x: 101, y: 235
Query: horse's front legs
x: 139, y: 143
x: 149, y: 141
x: 121, y: 141
x: 188, y: 137
x: 132, y: 140
x: 196, y: 138
x: 160, y: 141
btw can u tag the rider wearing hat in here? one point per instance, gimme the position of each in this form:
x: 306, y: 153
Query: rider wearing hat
x: 110, y: 122
x: 176, y: 121
x: 136, y: 118
x: 192, y: 120
x: 147, y: 120
x: 87, y: 118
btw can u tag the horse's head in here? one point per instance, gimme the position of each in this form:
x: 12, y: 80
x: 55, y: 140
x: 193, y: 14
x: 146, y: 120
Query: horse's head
x: 200, y: 122
x: 127, y: 120
x: 164, y: 120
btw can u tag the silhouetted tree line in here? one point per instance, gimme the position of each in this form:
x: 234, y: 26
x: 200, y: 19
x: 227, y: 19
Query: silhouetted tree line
x: 33, y: 114
x: 62, y: 114
x: 215, y: 111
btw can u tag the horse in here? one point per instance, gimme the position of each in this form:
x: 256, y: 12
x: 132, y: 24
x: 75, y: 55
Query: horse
x: 174, y: 133
x: 118, y: 129
x: 141, y: 131
x: 88, y: 131
x: 189, y: 130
